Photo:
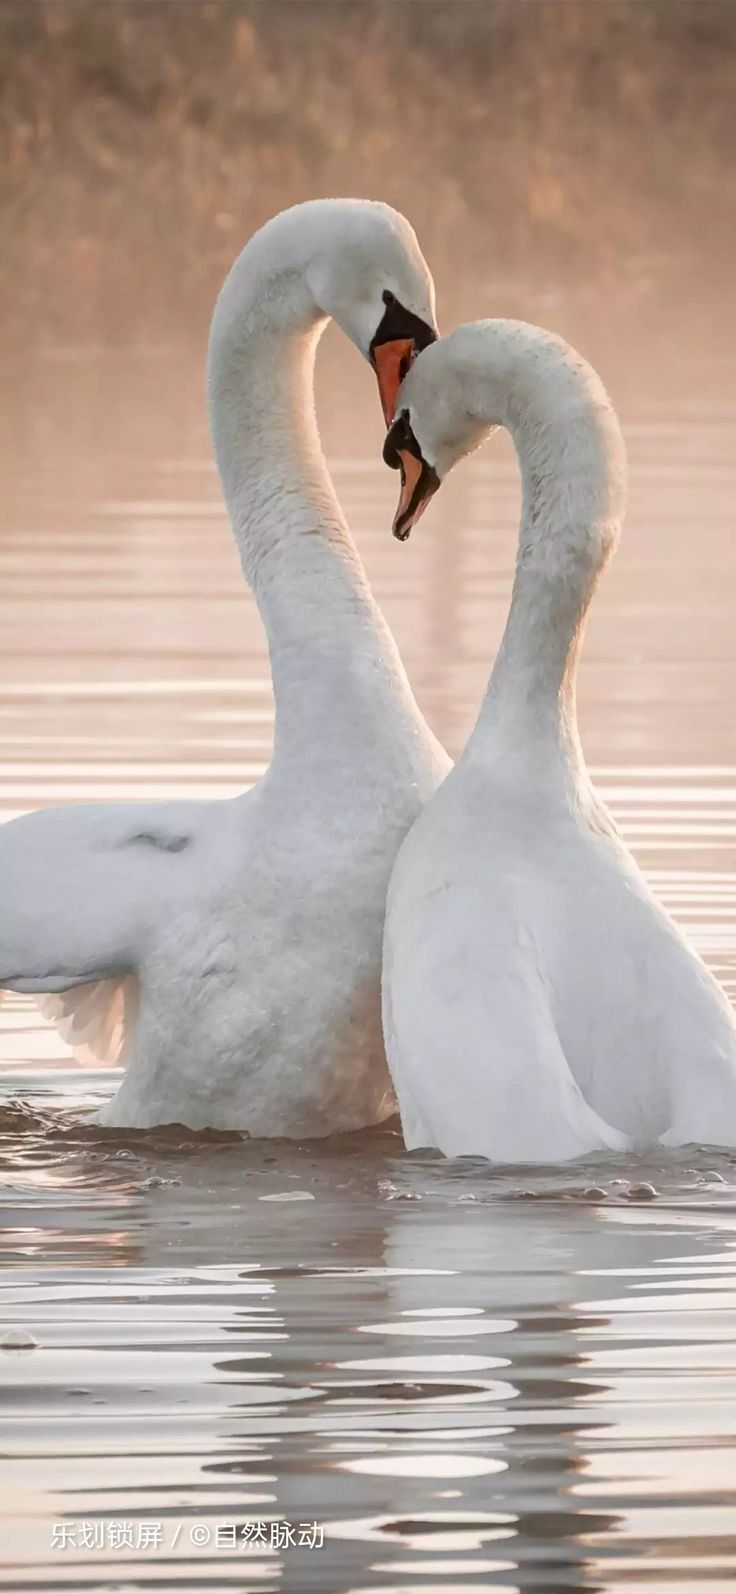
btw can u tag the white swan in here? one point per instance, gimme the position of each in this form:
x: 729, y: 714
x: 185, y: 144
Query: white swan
x: 252, y: 928
x: 538, y: 1001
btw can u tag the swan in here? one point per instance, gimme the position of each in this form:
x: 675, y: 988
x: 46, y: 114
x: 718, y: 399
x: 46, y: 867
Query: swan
x: 538, y: 1001
x: 229, y: 952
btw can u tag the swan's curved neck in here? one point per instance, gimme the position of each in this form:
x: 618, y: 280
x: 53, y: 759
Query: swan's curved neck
x: 572, y: 470
x: 295, y: 548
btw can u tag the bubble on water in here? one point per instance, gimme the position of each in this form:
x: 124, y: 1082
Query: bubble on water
x: 641, y: 1192
x: 18, y: 1339
x: 289, y: 1195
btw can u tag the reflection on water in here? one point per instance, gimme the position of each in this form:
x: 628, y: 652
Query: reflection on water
x: 471, y: 1378
x: 461, y: 1373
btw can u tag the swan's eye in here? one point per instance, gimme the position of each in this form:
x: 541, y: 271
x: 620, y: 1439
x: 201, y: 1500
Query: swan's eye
x: 388, y: 297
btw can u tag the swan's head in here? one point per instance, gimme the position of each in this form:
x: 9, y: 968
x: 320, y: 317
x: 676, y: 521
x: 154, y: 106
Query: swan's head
x: 436, y: 424
x: 366, y: 270
x: 355, y: 261
x: 500, y: 373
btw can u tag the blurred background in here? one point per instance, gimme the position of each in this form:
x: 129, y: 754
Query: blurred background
x: 578, y: 147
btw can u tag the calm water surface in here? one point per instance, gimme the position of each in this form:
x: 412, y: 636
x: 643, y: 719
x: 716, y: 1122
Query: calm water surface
x: 469, y: 1378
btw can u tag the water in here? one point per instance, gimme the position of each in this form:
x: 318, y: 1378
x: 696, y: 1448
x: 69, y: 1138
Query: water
x: 469, y: 1378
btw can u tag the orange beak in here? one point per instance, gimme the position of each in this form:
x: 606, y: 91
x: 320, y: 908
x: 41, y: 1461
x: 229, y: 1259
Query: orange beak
x: 392, y: 361
x: 419, y: 483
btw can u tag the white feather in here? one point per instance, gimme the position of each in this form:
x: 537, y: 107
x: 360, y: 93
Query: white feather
x: 231, y: 952
x: 95, y: 1020
x: 538, y: 1000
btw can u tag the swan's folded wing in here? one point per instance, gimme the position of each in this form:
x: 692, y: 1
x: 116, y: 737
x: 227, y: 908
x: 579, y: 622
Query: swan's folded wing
x: 78, y: 886
x: 473, y: 1050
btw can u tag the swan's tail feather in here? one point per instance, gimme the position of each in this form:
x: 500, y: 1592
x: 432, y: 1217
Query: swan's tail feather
x: 97, y: 1020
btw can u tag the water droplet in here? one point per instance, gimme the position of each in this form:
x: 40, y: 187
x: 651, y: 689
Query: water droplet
x: 18, y: 1339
